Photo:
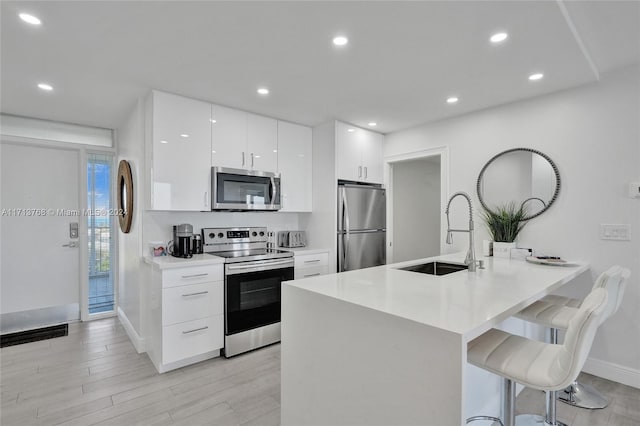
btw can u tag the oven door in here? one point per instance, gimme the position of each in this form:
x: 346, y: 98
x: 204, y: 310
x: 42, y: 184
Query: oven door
x: 236, y: 189
x: 252, y: 293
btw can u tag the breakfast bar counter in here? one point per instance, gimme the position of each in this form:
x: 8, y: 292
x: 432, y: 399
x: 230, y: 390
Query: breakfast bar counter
x: 382, y: 346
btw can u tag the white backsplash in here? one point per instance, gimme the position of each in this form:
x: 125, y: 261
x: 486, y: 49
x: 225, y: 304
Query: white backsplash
x: 158, y: 225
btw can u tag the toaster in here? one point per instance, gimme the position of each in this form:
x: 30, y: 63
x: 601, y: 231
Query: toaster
x: 292, y: 239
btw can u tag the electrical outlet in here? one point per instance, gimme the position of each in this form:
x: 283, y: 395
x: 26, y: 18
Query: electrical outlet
x: 615, y: 232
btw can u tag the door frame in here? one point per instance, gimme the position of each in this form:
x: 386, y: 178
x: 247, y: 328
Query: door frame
x: 389, y: 161
x: 82, y: 152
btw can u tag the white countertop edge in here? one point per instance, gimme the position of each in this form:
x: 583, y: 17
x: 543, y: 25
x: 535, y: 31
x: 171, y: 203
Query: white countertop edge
x: 169, y: 262
x: 302, y: 251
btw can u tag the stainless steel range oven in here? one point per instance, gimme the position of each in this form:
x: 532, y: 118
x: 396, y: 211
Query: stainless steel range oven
x: 252, y: 281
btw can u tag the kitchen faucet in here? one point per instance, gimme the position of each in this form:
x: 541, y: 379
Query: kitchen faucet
x: 470, y: 260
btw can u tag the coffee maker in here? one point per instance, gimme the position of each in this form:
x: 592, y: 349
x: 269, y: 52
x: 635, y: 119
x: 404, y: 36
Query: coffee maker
x: 182, y: 235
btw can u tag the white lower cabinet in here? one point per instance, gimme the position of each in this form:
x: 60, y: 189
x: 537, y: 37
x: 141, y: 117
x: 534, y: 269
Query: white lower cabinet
x: 310, y: 265
x: 186, y: 315
x: 187, y: 339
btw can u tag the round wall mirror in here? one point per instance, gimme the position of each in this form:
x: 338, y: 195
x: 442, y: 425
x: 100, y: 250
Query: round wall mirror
x: 522, y: 176
x: 125, y: 196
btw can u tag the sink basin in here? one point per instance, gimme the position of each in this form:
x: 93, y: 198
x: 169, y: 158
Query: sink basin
x: 436, y: 268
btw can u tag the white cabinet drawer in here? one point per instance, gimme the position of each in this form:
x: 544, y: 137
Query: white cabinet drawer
x: 192, y: 338
x: 309, y: 260
x: 313, y: 271
x: 192, y: 275
x: 190, y: 302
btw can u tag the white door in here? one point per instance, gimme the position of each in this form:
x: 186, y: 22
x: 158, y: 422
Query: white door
x: 229, y: 138
x: 39, y: 259
x: 262, y: 143
x: 372, y: 158
x: 295, y: 166
x: 181, y: 146
x: 349, y: 151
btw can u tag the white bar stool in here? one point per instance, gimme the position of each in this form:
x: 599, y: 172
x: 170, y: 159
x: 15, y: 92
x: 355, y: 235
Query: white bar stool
x: 555, y: 312
x: 539, y: 365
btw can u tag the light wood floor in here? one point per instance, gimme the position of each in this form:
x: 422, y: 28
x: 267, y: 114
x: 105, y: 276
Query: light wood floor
x: 94, y: 376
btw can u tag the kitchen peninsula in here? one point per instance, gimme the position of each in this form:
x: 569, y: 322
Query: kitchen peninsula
x: 382, y: 346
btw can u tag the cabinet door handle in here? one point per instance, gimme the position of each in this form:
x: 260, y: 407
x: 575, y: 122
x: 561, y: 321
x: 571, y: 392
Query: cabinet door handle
x: 312, y: 261
x: 359, y: 171
x: 242, y: 158
x: 365, y: 172
x: 252, y: 160
x: 195, y: 275
x: 195, y: 329
x: 195, y: 294
x: 312, y: 275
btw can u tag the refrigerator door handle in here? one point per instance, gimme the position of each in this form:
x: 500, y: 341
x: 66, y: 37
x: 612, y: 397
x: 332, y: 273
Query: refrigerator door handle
x: 345, y: 227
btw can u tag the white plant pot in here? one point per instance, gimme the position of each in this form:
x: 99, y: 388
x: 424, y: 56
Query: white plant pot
x: 503, y: 250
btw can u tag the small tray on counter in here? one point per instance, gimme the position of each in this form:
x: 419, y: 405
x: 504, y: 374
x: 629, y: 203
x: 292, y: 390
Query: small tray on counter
x: 552, y: 261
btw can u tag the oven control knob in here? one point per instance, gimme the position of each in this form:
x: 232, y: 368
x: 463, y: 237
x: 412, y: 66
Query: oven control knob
x: 254, y: 234
x: 220, y: 235
x: 261, y: 234
x: 212, y: 235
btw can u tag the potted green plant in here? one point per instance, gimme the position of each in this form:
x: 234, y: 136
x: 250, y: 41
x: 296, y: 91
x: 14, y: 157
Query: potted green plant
x: 504, y: 224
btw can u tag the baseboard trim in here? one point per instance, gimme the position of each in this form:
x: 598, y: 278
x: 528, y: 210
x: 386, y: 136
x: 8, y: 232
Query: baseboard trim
x: 138, y: 342
x: 614, y: 372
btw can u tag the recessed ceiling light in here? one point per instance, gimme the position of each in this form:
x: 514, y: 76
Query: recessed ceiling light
x: 275, y: 150
x: 536, y: 76
x: 452, y: 100
x: 184, y: 135
x: 212, y: 120
x: 498, y: 37
x: 164, y: 142
x: 340, y: 40
x: 30, y: 19
x: 351, y: 130
x: 45, y: 86
x: 373, y: 124
x: 263, y: 91
x: 213, y: 151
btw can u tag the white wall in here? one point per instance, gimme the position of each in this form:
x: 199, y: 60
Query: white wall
x: 416, y: 209
x: 593, y: 135
x: 130, y: 144
x: 158, y: 225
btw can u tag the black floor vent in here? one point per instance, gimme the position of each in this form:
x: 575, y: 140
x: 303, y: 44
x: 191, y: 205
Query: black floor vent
x: 34, y: 335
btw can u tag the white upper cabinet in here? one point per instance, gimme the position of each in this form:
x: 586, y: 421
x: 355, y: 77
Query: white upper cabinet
x: 243, y: 141
x: 229, y: 140
x: 262, y: 143
x: 372, y: 158
x: 359, y: 154
x: 295, y: 166
x: 180, y: 140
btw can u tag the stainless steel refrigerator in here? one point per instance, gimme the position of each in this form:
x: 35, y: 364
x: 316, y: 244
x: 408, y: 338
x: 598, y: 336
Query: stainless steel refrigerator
x: 362, y: 226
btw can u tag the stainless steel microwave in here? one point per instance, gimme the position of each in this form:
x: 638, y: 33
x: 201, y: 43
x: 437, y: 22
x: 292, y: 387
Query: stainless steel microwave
x: 243, y: 190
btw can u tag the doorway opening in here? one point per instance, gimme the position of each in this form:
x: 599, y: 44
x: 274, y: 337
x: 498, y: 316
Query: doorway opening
x: 416, y: 205
x: 100, y: 221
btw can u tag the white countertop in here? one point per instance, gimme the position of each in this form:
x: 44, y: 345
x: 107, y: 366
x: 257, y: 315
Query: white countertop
x: 466, y: 303
x: 301, y: 251
x: 166, y: 262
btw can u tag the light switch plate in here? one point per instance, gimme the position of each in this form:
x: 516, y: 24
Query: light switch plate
x: 616, y: 232
x: 634, y: 190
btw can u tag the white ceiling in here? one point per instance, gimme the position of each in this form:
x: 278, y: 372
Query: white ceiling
x: 402, y: 62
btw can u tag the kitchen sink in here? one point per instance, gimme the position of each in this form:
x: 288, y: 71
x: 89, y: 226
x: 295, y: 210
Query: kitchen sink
x: 436, y: 268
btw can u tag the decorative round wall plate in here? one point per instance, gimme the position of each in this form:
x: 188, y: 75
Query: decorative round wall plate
x: 125, y: 196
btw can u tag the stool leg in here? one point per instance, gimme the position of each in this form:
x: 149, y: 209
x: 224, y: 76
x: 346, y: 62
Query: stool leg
x: 508, y: 402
